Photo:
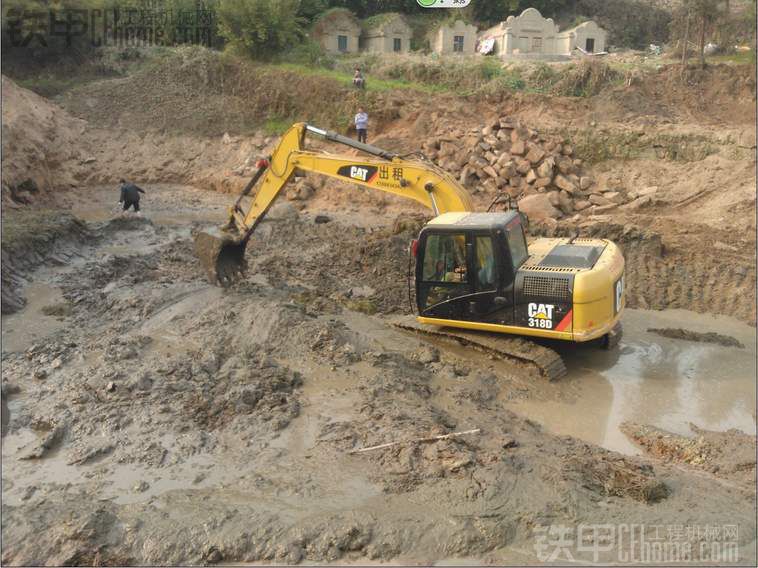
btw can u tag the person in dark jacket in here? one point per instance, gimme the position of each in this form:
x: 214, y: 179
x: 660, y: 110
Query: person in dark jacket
x: 130, y: 195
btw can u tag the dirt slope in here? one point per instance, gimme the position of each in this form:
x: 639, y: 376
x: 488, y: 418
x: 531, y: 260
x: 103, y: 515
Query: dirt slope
x: 42, y: 145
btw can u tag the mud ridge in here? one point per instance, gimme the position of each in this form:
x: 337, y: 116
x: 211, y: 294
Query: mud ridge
x: 707, y: 337
x: 28, y: 244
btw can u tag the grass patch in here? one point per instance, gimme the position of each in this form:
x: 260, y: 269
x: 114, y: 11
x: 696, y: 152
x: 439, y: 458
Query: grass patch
x: 600, y: 146
x: 363, y: 305
x: 735, y: 58
x: 586, y: 78
x: 373, y: 83
x: 49, y: 86
x: 274, y: 126
x: 22, y: 226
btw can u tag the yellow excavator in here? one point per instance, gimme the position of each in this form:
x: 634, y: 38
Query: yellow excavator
x: 476, y: 279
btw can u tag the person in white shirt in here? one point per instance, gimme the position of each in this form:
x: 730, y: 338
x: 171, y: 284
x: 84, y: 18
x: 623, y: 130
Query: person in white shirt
x: 361, y: 124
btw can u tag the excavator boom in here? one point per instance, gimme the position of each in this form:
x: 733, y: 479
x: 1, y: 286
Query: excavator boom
x: 222, y: 252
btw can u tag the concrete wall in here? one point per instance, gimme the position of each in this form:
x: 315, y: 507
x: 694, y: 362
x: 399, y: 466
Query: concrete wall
x: 529, y: 33
x: 382, y: 38
x: 531, y: 36
x: 442, y: 40
x: 585, y: 31
x: 330, y: 41
x: 386, y: 44
x: 327, y: 31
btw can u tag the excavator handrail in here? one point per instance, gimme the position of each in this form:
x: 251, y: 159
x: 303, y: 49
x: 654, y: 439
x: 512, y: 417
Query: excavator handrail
x: 421, y: 181
x: 340, y: 139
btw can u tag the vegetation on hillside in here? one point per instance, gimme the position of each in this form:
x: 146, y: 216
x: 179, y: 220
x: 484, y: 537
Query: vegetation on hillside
x: 264, y: 27
x: 278, y: 32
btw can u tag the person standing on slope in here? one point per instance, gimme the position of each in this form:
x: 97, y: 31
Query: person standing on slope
x: 361, y: 124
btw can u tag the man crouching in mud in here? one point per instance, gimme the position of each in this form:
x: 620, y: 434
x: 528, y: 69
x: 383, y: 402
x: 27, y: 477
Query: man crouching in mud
x: 130, y: 195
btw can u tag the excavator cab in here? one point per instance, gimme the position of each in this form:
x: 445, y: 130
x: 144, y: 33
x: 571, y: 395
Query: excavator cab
x: 474, y: 271
x: 466, y: 266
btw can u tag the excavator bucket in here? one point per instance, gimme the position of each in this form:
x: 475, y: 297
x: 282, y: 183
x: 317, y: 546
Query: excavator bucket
x: 222, y: 255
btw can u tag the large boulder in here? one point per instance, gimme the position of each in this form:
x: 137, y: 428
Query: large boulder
x: 599, y: 200
x: 638, y: 203
x: 565, y: 203
x: 535, y: 154
x: 565, y: 184
x: 523, y: 167
x: 614, y: 197
x: 490, y: 171
x: 508, y: 169
x: 565, y: 166
x: 581, y: 204
x: 538, y: 207
x: 545, y: 169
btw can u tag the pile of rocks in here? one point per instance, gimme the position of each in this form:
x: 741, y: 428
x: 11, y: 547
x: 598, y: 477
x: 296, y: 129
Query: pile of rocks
x: 540, y: 171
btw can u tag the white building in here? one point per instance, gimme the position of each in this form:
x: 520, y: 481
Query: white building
x: 530, y: 36
x: 386, y: 33
x: 589, y: 37
x: 338, y: 31
x: 456, y: 38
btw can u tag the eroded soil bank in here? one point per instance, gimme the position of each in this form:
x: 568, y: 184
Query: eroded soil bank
x: 151, y: 418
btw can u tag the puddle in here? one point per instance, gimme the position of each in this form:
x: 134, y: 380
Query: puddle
x: 34, y: 473
x: 668, y: 383
x: 21, y: 330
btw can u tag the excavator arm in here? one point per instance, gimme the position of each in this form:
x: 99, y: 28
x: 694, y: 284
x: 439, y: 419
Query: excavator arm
x: 222, y: 251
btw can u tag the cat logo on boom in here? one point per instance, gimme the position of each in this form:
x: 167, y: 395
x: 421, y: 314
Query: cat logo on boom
x: 358, y: 173
x: 540, y: 315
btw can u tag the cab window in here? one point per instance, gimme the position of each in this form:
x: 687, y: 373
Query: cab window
x: 445, y: 258
x: 485, y: 264
x: 516, y: 244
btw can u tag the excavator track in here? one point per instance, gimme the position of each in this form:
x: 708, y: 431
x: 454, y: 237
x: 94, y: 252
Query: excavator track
x: 547, y: 361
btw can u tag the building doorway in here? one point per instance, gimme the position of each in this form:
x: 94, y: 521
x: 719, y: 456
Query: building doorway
x: 589, y: 46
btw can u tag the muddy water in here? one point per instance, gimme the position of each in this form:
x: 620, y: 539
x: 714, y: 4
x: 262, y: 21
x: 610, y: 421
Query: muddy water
x: 650, y: 379
x: 21, y: 330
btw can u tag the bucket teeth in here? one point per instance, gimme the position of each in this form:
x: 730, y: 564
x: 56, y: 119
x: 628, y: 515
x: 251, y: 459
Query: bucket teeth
x: 222, y: 256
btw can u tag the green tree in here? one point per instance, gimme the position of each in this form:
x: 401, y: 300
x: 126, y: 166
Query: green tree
x: 696, y: 19
x: 260, y: 28
x: 491, y: 12
x: 309, y: 9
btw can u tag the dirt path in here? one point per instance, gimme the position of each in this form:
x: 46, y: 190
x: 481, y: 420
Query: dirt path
x: 154, y: 419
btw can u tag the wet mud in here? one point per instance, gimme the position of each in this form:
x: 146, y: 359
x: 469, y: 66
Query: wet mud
x: 165, y: 420
x: 688, y: 335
